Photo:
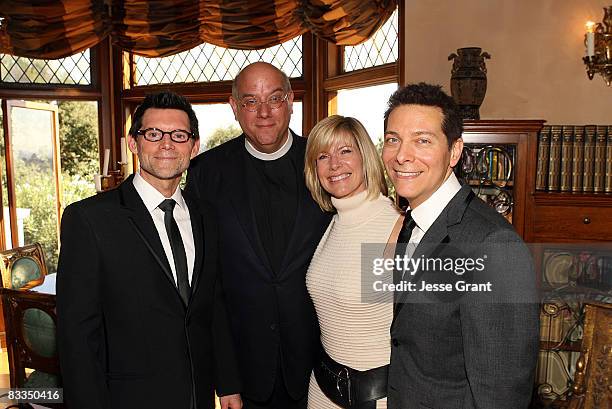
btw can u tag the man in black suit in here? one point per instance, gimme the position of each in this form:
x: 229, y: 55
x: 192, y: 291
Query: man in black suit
x: 459, y: 349
x: 141, y: 316
x: 269, y: 228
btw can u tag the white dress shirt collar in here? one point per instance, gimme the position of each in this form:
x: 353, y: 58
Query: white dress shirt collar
x: 426, y: 214
x: 152, y: 197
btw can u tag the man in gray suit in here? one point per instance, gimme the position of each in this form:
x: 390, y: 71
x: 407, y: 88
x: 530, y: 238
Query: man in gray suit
x: 458, y: 348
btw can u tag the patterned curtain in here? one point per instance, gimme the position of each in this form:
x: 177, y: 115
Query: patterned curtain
x: 156, y: 28
x: 51, y: 29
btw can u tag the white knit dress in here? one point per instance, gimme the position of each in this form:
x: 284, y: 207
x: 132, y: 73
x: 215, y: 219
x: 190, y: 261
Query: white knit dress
x: 353, y: 333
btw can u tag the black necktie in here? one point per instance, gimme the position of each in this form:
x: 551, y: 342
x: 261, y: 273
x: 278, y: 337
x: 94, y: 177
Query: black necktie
x: 402, y: 242
x: 178, y: 249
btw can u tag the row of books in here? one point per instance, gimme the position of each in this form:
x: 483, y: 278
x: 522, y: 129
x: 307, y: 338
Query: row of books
x: 575, y: 158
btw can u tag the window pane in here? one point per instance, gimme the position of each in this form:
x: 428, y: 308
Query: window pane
x: 32, y: 135
x: 217, y: 123
x: 73, y: 70
x: 368, y: 105
x: 78, y: 132
x: 296, y: 123
x: 208, y: 62
x: 381, y: 48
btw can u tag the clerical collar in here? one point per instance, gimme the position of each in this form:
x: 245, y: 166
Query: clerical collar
x: 269, y: 156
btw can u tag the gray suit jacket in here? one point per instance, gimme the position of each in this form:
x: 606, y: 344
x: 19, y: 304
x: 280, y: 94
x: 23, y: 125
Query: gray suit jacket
x: 467, y: 350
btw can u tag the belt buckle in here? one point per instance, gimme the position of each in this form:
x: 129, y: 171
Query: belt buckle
x: 344, y: 371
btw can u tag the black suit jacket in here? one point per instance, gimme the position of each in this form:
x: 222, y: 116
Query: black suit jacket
x: 269, y: 313
x: 125, y: 337
x: 467, y: 350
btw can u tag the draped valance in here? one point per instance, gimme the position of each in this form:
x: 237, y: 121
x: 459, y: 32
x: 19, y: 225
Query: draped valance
x: 157, y: 28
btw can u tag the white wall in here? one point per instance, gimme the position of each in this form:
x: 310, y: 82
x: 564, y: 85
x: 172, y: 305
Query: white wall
x: 536, y: 69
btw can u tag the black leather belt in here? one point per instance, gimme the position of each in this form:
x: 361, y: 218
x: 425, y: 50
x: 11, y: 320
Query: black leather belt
x: 348, y: 387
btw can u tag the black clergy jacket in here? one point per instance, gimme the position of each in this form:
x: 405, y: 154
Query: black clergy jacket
x: 271, y: 314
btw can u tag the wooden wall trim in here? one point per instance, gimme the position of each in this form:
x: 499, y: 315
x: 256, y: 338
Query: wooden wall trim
x: 310, y: 75
x: 402, y: 62
x: 201, y: 92
x: 106, y: 117
x: 362, y: 78
x: 59, y: 93
x: 502, y: 126
x: 573, y: 199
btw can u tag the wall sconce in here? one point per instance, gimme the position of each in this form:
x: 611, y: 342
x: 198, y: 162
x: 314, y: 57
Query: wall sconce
x: 598, y: 41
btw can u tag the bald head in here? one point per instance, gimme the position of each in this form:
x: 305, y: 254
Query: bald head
x: 267, y: 125
x: 258, y: 70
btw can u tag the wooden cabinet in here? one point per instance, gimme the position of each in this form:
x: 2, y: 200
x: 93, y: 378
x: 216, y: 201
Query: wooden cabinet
x: 519, y: 139
x: 567, y: 217
x: 540, y: 217
x: 572, y: 263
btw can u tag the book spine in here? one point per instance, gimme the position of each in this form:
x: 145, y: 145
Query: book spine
x: 543, y: 154
x: 599, y: 172
x: 589, y: 159
x: 567, y: 146
x: 608, y: 184
x: 554, y: 163
x: 578, y: 159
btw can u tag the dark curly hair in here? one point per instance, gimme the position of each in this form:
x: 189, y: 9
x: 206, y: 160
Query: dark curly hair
x: 165, y: 100
x: 433, y: 96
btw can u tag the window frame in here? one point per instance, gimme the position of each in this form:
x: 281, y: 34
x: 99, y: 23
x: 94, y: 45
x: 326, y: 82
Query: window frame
x: 7, y: 104
x: 100, y: 91
x: 331, y: 76
x: 200, y: 92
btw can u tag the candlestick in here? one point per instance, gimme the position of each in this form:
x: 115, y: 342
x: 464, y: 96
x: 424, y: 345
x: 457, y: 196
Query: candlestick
x: 590, y: 39
x: 106, y: 161
x: 98, y: 182
x: 123, y: 152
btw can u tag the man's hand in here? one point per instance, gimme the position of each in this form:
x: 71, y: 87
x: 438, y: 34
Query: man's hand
x: 231, y: 401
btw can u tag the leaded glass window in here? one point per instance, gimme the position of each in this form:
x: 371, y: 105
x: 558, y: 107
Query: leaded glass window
x: 72, y: 70
x: 207, y: 63
x: 381, y: 48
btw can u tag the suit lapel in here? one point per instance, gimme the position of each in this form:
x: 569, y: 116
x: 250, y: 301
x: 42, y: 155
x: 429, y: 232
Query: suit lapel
x: 198, y: 240
x: 140, y: 218
x: 436, y: 237
x: 238, y: 175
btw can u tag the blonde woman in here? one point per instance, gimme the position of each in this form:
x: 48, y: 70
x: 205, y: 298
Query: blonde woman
x: 344, y: 174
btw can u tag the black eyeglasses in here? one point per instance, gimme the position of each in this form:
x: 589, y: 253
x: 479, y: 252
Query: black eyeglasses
x: 156, y: 135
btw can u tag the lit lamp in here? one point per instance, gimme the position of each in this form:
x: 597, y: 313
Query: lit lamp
x: 598, y: 41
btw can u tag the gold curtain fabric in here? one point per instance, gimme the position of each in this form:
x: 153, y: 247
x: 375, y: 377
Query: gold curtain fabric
x: 156, y: 28
x: 51, y: 29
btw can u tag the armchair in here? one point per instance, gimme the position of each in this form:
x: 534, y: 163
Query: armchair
x: 23, y: 267
x: 29, y: 320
